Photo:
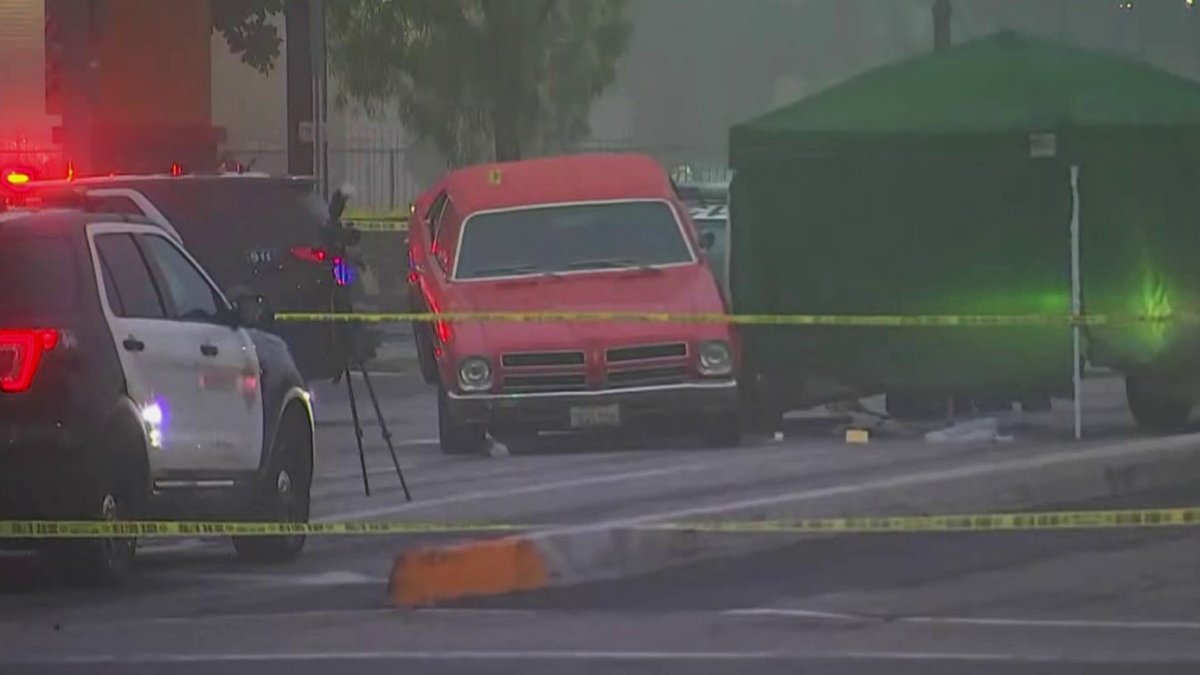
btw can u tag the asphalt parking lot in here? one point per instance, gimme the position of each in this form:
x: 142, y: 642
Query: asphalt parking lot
x: 1036, y: 602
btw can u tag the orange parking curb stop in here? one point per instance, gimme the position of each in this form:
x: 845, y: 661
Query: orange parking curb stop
x: 426, y: 576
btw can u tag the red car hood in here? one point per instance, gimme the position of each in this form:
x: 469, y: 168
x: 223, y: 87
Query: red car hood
x: 684, y: 290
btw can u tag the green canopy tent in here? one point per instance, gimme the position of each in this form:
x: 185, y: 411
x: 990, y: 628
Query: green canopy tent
x: 942, y: 185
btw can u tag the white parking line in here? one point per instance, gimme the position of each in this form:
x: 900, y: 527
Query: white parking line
x: 579, y: 655
x: 332, y: 578
x: 1066, y: 624
x: 447, y: 655
x: 1091, y: 455
x: 387, y: 374
x: 795, y: 614
x: 158, y: 546
x: 1086, y: 624
x: 412, y: 443
x: 529, y: 489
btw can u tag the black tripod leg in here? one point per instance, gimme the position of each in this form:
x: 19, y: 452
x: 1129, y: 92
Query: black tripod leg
x: 387, y: 435
x: 358, y: 431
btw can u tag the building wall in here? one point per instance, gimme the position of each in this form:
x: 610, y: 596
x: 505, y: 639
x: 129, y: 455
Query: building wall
x: 155, y: 64
x: 23, y: 118
x: 154, y: 69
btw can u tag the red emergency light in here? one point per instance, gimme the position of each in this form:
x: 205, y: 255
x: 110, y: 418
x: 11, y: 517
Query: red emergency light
x: 17, y: 178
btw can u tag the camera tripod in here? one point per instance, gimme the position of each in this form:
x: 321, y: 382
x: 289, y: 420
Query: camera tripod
x: 339, y: 239
x: 354, y: 358
x: 347, y: 371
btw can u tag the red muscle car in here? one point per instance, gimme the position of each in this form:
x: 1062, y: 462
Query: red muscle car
x: 583, y: 233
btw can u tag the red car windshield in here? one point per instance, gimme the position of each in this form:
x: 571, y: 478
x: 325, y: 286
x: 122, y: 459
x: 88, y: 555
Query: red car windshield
x: 571, y: 238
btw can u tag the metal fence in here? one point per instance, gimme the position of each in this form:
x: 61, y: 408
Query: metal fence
x: 382, y: 176
x: 704, y: 164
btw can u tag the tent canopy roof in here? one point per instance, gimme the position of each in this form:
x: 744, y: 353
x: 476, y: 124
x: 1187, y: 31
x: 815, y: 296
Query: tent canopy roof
x: 999, y: 85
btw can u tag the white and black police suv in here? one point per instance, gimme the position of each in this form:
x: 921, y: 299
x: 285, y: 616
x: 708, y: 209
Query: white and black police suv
x: 130, y: 389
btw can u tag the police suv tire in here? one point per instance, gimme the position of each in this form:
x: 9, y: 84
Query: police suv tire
x: 724, y: 431
x: 100, y: 562
x: 283, y: 496
x: 455, y: 437
x: 1154, y: 408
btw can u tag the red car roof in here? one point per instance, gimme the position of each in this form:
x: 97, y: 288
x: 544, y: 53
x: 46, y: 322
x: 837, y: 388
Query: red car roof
x: 553, y: 180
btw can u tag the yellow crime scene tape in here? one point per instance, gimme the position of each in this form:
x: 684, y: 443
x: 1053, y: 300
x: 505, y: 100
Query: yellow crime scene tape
x: 378, y: 222
x: 998, y: 522
x: 825, y: 320
x: 379, y: 225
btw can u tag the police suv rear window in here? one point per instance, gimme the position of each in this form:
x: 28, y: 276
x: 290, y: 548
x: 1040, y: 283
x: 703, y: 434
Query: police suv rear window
x: 38, y: 276
x: 223, y: 221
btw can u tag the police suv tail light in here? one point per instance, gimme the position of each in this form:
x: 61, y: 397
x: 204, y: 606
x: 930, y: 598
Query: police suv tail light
x: 475, y: 374
x: 21, y: 352
x: 715, y: 358
x: 310, y: 254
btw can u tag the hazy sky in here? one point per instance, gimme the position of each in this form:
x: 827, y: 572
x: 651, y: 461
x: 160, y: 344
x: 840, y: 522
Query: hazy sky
x: 692, y: 71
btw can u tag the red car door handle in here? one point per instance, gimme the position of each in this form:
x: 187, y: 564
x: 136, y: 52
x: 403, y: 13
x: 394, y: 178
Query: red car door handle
x: 209, y: 350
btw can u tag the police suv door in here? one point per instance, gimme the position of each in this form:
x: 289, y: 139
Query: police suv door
x: 156, y: 353
x: 228, y: 395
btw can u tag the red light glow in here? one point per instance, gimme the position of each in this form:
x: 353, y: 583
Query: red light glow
x: 17, y: 178
x: 309, y: 254
x: 442, y: 328
x: 21, y: 352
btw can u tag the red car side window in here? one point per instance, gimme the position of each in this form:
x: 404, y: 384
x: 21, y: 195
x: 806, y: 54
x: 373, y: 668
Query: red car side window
x: 433, y: 217
x: 446, y: 237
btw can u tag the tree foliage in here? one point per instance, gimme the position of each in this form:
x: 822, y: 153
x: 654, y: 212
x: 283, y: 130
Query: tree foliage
x: 247, y: 29
x: 479, y: 78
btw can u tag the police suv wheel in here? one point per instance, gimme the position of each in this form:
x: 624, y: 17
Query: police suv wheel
x: 283, y: 498
x: 104, y: 561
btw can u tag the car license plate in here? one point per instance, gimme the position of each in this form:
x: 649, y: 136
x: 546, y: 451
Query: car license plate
x: 595, y: 416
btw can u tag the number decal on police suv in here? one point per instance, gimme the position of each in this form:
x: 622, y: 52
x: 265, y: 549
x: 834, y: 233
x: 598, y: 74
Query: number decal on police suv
x: 261, y: 256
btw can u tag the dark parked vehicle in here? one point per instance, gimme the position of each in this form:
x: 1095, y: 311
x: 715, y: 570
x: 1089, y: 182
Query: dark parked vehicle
x: 256, y: 234
x: 130, y: 388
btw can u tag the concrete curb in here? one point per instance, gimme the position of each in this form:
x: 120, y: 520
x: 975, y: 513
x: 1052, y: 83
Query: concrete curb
x: 618, y: 548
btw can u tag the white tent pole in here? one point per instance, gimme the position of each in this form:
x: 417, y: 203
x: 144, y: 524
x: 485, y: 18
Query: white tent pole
x: 1076, y: 306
